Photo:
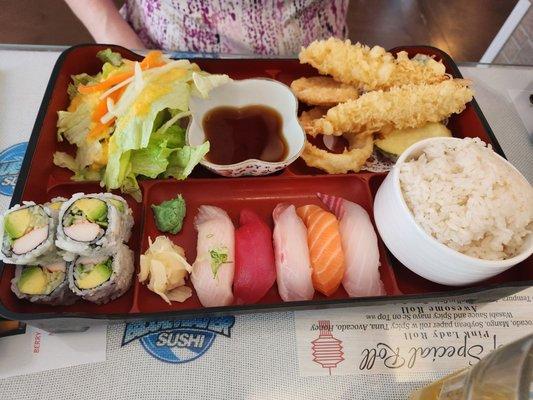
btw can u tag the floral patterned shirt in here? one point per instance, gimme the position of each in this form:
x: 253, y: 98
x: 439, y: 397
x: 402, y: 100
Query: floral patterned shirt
x: 268, y: 27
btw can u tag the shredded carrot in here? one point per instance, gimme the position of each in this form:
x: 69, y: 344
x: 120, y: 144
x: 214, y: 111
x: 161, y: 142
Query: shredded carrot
x: 117, y: 94
x: 111, y: 81
x: 100, y: 130
x: 101, y: 108
x: 153, y: 59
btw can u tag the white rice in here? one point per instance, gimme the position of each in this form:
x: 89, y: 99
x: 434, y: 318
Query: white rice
x: 465, y: 196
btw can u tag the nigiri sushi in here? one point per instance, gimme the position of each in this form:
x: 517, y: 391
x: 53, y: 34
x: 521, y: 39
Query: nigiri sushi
x: 325, y: 248
x: 293, y: 266
x: 212, y: 272
x: 360, y: 245
x: 255, y: 271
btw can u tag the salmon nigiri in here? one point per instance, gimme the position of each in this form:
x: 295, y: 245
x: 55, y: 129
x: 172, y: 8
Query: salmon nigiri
x: 255, y: 272
x: 293, y: 266
x: 360, y: 245
x: 212, y: 272
x: 325, y: 248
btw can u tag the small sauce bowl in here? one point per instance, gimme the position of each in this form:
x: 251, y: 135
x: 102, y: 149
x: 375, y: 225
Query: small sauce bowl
x: 241, y: 93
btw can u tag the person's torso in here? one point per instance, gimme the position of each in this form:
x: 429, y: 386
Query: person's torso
x: 272, y: 27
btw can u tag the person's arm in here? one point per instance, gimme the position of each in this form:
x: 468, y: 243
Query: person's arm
x: 104, y: 22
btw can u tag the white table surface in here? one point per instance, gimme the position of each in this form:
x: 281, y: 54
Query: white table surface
x: 259, y: 361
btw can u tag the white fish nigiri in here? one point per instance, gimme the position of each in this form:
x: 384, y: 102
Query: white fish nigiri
x: 212, y: 272
x: 360, y: 245
x: 293, y: 266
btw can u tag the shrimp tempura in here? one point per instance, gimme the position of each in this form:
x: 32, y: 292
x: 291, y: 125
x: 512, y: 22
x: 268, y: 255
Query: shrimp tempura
x: 407, y: 106
x: 370, y: 68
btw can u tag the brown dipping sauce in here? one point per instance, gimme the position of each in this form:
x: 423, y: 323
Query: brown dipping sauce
x: 238, y: 134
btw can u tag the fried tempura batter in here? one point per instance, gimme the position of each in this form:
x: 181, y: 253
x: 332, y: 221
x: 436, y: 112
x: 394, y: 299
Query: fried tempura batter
x: 308, y: 118
x: 408, y: 106
x: 353, y: 159
x: 323, y: 91
x: 370, y: 68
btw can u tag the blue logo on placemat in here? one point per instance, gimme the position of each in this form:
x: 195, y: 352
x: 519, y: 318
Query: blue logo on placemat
x: 10, y: 163
x: 178, y: 341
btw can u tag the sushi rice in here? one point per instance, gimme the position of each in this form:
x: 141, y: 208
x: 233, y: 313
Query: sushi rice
x: 54, y: 289
x: 36, y: 244
x: 106, y: 239
x: 126, y: 213
x: 113, y: 286
x: 54, y: 206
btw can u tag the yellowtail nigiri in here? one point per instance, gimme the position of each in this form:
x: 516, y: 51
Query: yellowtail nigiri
x: 212, y: 272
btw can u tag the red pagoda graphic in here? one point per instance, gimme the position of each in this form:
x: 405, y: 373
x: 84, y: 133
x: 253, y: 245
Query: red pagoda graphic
x: 327, y: 350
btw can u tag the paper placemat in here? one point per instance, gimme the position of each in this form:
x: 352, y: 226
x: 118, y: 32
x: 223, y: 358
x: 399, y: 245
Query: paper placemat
x: 402, y: 339
x: 37, y: 350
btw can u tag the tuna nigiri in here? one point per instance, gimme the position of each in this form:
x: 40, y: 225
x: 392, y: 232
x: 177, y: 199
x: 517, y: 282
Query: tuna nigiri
x: 360, y: 245
x: 255, y: 272
x: 325, y: 248
x: 212, y: 272
x: 293, y: 266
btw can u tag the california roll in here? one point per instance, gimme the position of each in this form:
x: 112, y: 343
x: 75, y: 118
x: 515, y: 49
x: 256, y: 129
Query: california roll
x: 89, y: 225
x: 125, y: 212
x: 27, y: 233
x: 101, y: 279
x: 54, y: 206
x: 43, y: 284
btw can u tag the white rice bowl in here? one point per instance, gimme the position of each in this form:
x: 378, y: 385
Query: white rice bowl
x: 468, y: 198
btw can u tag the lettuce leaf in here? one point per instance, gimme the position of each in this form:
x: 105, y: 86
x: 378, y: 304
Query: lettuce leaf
x: 109, y: 56
x: 89, y: 153
x: 183, y: 160
x: 150, y: 161
x: 205, y: 82
x: 131, y: 186
x: 174, y: 136
x: 80, y: 79
x: 74, y: 125
x: 133, y: 130
x: 167, y: 155
x: 65, y: 160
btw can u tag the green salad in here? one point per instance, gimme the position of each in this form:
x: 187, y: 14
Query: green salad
x: 127, y: 121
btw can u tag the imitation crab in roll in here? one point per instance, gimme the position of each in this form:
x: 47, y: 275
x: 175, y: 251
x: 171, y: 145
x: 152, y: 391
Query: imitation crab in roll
x: 91, y: 225
x: 27, y: 233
